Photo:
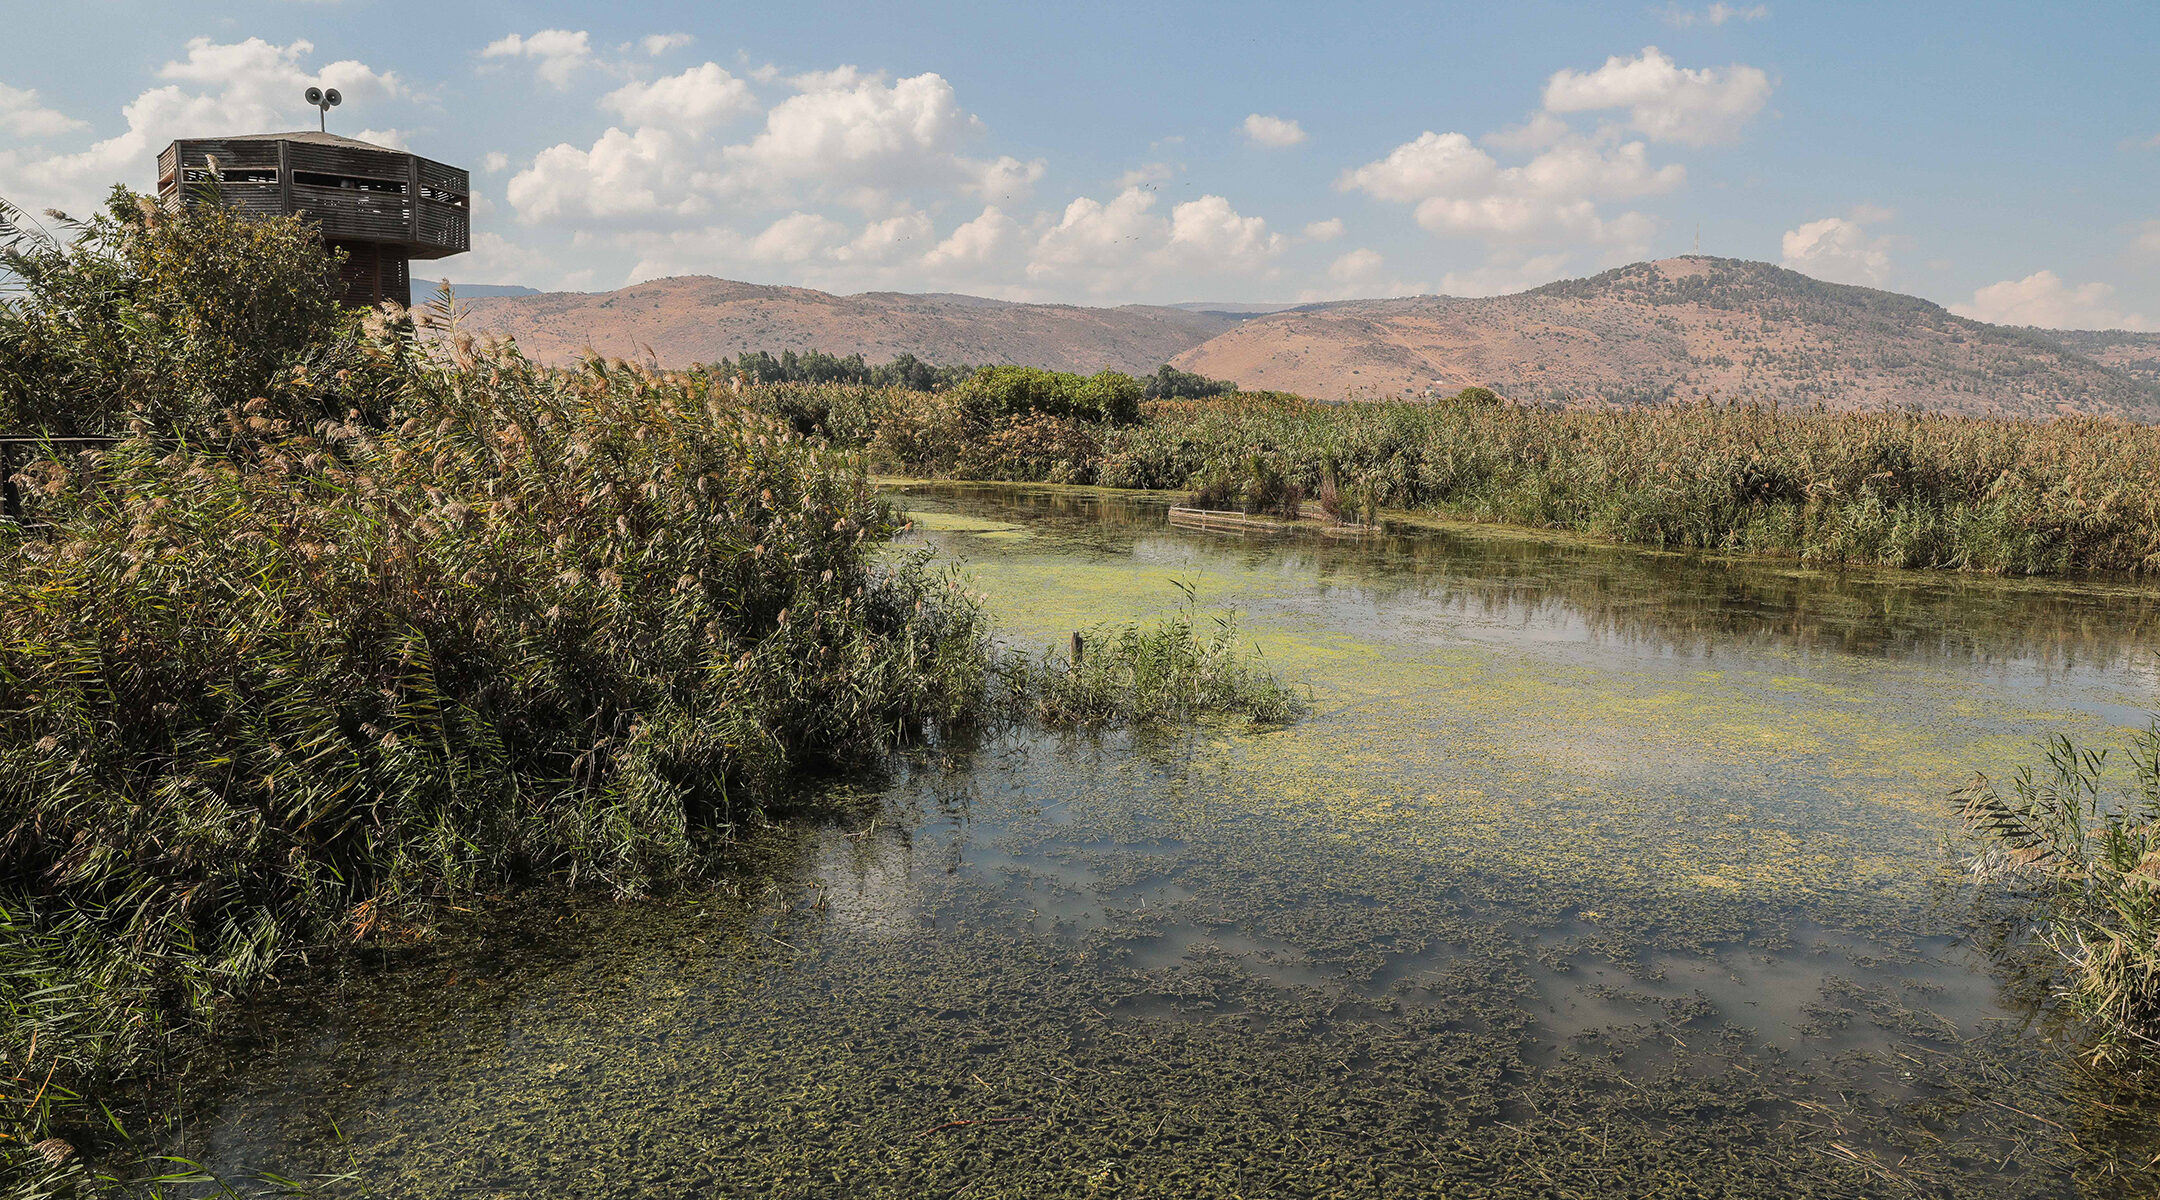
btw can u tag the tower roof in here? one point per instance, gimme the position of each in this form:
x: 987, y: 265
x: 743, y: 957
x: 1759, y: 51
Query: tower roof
x: 309, y: 137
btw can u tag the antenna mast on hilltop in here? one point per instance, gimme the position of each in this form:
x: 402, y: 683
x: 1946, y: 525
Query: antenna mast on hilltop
x: 1698, y: 237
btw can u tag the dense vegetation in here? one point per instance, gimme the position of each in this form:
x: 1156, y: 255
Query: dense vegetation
x: 2083, y: 834
x: 1169, y: 383
x: 355, y: 615
x: 168, y: 324
x: 1891, y: 489
x: 273, y: 673
x: 816, y: 366
x: 1172, y: 671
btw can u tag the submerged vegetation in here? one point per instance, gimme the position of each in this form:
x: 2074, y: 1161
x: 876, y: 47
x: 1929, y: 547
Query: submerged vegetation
x: 363, y: 615
x: 2085, y: 840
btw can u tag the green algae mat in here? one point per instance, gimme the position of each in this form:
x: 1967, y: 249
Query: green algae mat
x: 1590, y: 873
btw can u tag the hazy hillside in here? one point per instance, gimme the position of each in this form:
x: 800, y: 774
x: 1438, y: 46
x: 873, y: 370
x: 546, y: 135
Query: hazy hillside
x: 1651, y: 332
x: 2134, y: 354
x: 700, y: 319
x: 1677, y: 329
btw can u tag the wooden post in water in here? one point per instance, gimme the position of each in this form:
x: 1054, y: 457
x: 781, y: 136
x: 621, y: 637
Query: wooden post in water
x: 1079, y: 647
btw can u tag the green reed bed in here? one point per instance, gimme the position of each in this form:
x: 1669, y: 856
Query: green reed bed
x: 1880, y: 488
x: 2080, y: 839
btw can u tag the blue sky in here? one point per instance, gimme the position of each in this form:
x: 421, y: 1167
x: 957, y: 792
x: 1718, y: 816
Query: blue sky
x: 2001, y: 158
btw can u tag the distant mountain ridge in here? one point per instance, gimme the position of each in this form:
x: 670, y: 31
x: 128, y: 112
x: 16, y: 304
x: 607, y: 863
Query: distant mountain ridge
x: 1681, y: 329
x: 1673, y: 330
x: 701, y: 319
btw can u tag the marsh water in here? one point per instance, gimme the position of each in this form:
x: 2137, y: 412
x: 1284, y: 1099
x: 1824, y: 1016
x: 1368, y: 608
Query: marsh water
x: 1590, y: 872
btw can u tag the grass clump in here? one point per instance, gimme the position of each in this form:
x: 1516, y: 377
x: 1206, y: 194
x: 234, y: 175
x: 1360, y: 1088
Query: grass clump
x: 1176, y: 670
x: 2085, y: 839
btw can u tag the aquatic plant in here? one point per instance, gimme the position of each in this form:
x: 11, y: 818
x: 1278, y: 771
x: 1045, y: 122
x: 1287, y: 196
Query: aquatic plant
x: 364, y: 614
x: 1180, y: 668
x: 2086, y: 842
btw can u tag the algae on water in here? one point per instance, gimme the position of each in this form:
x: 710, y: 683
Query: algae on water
x: 1586, y: 874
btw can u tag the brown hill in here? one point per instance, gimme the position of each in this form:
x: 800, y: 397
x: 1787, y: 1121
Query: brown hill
x: 701, y: 319
x: 1675, y: 330
x: 2134, y: 354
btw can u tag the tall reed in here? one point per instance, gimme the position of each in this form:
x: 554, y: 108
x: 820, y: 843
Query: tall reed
x: 277, y: 692
x: 2083, y: 837
x: 1882, y: 488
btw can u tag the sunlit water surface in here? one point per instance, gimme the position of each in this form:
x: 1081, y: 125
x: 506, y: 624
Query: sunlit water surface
x: 1591, y: 873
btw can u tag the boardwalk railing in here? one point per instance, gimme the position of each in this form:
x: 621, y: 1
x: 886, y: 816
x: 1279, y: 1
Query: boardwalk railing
x: 1310, y: 516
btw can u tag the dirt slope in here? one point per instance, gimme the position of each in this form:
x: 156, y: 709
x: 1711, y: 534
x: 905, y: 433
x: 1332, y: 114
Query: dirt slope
x: 701, y: 319
x: 1678, y: 329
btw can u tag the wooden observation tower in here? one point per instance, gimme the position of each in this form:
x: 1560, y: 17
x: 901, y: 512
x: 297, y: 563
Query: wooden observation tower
x: 382, y: 207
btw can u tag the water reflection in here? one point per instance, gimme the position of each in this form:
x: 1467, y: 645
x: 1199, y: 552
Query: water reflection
x: 1567, y: 587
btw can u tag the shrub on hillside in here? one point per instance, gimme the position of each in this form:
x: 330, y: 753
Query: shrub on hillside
x: 1169, y: 383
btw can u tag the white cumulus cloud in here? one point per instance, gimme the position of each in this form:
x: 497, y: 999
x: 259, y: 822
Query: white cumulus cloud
x: 849, y: 136
x: 2043, y: 299
x: 1211, y: 235
x: 1273, y: 132
x: 1092, y: 237
x: 889, y: 239
x: 1839, y: 249
x: 848, y: 132
x: 22, y: 115
x: 978, y: 244
x: 623, y: 176
x: 219, y: 88
x: 1325, y: 231
x: 1459, y: 189
x: 1358, y: 266
x: 1124, y: 244
x: 693, y: 101
x: 1665, y: 101
x: 657, y: 44
x: 560, y: 53
x: 796, y: 238
x: 1007, y: 178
